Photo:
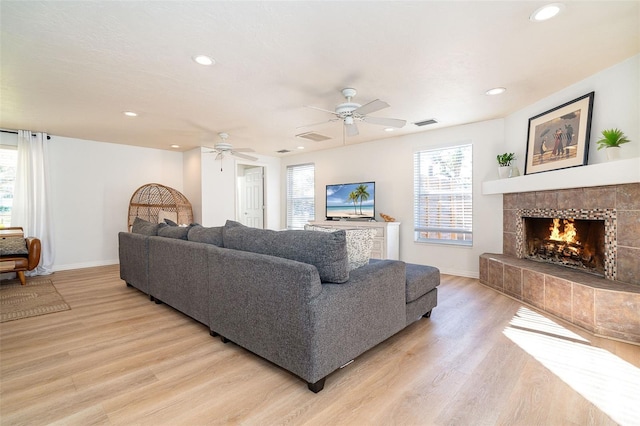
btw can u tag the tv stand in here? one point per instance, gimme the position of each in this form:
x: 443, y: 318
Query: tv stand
x: 386, y: 243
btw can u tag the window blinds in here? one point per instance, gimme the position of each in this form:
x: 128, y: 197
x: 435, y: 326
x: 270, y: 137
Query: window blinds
x: 442, y: 181
x: 300, y: 195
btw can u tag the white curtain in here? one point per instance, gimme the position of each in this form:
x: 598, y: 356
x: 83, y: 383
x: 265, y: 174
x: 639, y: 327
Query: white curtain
x: 31, y: 198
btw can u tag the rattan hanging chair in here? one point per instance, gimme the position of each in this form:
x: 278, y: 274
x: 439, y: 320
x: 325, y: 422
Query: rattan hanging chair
x: 148, y: 201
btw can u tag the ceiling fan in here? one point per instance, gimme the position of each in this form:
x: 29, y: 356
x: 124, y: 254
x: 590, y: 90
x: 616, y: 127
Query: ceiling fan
x: 223, y: 148
x: 350, y: 112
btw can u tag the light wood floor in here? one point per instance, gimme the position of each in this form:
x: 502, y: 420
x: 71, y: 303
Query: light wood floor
x: 118, y: 359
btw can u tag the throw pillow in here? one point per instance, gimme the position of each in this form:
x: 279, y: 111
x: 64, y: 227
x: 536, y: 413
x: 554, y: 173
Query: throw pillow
x: 359, y: 243
x: 177, y: 232
x: 163, y: 214
x: 326, y: 251
x: 200, y: 234
x: 13, y: 245
x: 144, y: 227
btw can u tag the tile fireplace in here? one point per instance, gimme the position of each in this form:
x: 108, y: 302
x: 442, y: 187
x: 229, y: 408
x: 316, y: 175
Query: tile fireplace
x: 574, y: 253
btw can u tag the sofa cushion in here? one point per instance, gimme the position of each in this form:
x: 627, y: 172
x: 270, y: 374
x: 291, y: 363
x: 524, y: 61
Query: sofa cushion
x: 421, y: 279
x: 177, y: 232
x: 144, y: 227
x: 201, y: 234
x: 359, y: 243
x: 326, y: 251
x: 13, y: 245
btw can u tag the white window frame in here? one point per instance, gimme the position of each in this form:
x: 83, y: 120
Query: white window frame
x: 443, y: 195
x: 7, y: 182
x: 300, y: 195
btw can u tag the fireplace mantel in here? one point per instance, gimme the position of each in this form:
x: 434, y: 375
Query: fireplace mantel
x: 611, y: 173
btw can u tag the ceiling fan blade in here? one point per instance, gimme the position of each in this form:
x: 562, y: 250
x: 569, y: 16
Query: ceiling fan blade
x: 321, y: 109
x: 246, y: 157
x: 372, y: 106
x: 220, y: 156
x: 243, y: 150
x: 317, y: 124
x: 351, y: 129
x: 389, y: 122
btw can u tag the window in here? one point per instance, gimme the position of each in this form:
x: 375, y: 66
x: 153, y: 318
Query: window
x: 443, y: 195
x: 300, y: 195
x: 8, y: 166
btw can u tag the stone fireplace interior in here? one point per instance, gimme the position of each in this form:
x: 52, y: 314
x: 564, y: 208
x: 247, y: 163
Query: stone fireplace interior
x: 574, y: 243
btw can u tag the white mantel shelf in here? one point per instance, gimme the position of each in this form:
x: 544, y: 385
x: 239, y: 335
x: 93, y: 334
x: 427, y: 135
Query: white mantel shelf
x: 611, y: 173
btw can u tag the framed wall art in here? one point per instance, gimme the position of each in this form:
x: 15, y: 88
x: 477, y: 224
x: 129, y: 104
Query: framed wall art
x: 559, y: 138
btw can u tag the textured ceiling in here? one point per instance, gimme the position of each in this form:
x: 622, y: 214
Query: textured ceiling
x: 72, y: 68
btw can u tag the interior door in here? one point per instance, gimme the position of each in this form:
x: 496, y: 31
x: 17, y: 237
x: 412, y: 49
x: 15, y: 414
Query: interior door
x: 251, y: 196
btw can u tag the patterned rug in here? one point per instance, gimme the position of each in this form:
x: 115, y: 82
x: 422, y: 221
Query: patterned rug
x: 38, y: 297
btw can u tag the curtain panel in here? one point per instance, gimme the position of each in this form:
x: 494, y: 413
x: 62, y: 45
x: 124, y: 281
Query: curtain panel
x: 31, y: 200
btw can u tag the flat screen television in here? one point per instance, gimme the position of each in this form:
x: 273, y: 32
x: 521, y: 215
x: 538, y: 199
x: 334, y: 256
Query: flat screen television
x: 355, y: 201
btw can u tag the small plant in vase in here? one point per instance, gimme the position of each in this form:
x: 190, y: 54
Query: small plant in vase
x: 611, y: 140
x: 504, y: 164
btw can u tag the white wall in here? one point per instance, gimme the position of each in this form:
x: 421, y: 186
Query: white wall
x: 389, y: 163
x: 212, y: 184
x: 91, y: 186
x: 616, y: 104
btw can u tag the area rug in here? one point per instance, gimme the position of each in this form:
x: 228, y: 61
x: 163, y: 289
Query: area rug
x: 38, y: 297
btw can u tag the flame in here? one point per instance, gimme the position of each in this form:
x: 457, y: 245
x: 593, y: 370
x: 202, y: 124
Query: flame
x: 569, y: 234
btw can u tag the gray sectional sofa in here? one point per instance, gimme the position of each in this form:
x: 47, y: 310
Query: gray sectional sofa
x: 287, y: 296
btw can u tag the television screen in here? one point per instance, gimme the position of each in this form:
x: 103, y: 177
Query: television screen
x: 351, y: 201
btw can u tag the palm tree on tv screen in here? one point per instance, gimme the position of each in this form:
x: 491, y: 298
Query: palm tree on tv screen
x: 353, y: 197
x: 362, y: 194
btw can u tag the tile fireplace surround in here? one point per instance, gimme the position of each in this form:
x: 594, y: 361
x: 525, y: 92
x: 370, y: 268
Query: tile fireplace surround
x: 605, y: 307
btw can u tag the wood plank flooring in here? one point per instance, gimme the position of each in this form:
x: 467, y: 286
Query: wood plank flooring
x: 481, y: 359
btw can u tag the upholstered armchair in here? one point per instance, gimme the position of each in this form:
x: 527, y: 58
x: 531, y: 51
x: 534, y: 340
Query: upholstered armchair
x: 18, y: 254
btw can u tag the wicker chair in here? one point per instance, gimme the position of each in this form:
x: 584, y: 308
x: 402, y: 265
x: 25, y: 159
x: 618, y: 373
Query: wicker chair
x: 153, y: 200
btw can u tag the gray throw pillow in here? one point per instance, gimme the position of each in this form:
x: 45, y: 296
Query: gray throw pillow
x: 144, y: 227
x: 326, y: 251
x: 177, y: 232
x: 359, y: 243
x: 13, y: 245
x: 200, y: 234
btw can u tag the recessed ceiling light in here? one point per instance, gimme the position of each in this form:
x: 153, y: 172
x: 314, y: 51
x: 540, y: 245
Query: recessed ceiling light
x: 301, y: 147
x: 204, y: 60
x: 546, y: 12
x: 495, y: 91
x: 175, y: 146
x: 389, y: 129
x: 130, y: 114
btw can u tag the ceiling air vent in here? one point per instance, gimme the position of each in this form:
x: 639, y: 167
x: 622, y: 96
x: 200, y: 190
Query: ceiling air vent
x: 426, y: 122
x: 283, y: 151
x: 313, y: 136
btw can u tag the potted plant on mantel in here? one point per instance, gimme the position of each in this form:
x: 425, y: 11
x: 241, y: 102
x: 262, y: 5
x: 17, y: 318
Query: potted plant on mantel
x: 611, y: 140
x: 504, y: 164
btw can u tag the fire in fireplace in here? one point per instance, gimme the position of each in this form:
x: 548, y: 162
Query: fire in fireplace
x: 575, y: 243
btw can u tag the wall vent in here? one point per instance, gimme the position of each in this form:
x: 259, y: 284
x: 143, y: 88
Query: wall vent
x: 313, y: 136
x: 426, y: 122
x: 283, y: 151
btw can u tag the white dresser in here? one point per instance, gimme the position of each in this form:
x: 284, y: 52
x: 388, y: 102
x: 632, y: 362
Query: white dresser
x: 386, y: 243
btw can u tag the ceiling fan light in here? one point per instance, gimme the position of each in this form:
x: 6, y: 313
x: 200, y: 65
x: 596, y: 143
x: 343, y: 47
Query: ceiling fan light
x: 348, y: 120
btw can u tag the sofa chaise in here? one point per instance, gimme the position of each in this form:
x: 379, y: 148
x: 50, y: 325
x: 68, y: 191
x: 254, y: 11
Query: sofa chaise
x: 287, y: 296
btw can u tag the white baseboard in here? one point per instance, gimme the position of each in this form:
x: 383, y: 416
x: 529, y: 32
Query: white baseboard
x: 85, y: 265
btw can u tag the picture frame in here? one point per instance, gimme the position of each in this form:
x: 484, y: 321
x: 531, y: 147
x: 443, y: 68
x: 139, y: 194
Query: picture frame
x: 559, y: 138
